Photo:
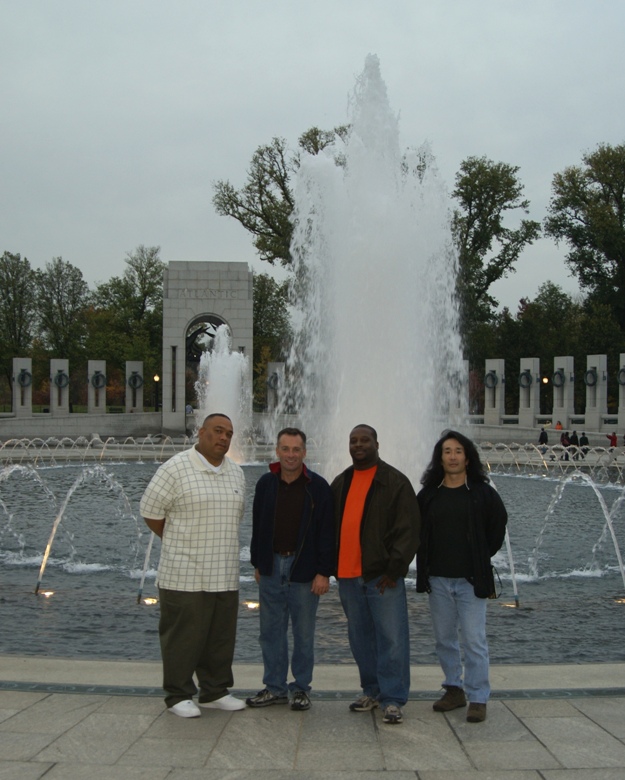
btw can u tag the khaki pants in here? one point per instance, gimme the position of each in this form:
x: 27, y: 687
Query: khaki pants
x: 197, y: 632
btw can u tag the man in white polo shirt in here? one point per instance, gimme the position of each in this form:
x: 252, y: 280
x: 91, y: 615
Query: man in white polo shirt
x: 194, y: 502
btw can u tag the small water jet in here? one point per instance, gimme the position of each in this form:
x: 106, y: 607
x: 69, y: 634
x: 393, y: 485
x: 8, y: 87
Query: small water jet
x: 99, y: 507
x: 53, y: 452
x: 223, y: 386
x: 101, y: 552
x: 608, y: 515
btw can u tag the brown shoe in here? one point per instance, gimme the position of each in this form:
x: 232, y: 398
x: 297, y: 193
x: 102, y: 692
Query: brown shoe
x: 476, y: 712
x: 450, y: 700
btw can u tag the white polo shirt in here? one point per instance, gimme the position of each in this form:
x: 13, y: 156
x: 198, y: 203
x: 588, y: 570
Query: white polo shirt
x: 203, y: 510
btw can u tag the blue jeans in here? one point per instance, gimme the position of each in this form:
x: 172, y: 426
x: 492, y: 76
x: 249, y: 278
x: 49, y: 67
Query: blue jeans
x: 377, y: 626
x: 455, y: 607
x: 279, y: 600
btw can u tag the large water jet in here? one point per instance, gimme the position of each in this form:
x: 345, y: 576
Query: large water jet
x: 376, y: 336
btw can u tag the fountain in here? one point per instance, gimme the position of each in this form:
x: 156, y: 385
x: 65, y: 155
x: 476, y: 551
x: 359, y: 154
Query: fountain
x: 564, y: 551
x: 223, y: 386
x: 376, y: 337
x: 376, y: 341
x: 65, y: 451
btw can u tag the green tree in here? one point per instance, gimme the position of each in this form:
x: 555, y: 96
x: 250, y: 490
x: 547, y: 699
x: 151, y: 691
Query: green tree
x: 18, y: 310
x: 554, y: 323
x: 587, y: 211
x: 265, y: 203
x: 126, y: 322
x: 487, y: 250
x: 139, y: 292
x: 272, y: 329
x: 62, y: 298
x: 549, y: 324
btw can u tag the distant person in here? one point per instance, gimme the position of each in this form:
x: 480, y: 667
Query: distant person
x: 293, y: 555
x: 613, y: 439
x: 543, y: 440
x: 194, y: 502
x: 558, y: 426
x: 583, y: 443
x: 464, y: 525
x: 377, y: 519
x: 574, y: 443
x: 565, y: 442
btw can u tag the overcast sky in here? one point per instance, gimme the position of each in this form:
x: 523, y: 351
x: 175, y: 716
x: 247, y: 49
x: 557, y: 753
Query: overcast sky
x: 119, y: 115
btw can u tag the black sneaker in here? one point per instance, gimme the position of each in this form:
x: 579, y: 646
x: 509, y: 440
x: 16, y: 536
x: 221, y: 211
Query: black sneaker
x: 300, y: 701
x: 265, y: 697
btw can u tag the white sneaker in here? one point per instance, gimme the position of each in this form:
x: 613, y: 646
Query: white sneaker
x: 185, y: 709
x: 227, y: 702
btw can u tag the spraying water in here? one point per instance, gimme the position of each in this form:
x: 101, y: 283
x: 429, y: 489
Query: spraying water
x: 376, y: 336
x: 223, y: 386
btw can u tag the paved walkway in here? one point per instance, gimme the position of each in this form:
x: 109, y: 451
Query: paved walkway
x: 93, y: 720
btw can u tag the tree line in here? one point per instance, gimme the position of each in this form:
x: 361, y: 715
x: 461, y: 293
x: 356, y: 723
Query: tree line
x: 490, y: 230
x: 52, y: 313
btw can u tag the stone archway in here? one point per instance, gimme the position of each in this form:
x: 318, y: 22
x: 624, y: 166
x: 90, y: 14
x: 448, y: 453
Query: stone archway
x: 200, y: 335
x: 196, y: 293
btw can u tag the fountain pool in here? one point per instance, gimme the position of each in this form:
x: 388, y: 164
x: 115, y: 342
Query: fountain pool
x: 572, y: 599
x: 376, y: 341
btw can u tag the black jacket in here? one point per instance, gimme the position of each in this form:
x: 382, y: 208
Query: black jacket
x: 389, y: 532
x: 487, y: 529
x: 315, y: 552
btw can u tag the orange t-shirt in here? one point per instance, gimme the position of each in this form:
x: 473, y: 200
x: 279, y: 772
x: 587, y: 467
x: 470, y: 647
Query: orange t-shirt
x: 350, y: 553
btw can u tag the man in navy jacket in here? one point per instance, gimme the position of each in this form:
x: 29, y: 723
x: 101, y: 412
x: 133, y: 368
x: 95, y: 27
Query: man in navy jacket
x: 293, y: 554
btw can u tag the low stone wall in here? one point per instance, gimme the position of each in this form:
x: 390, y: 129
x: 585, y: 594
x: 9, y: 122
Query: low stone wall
x: 509, y: 434
x: 140, y: 424
x: 105, y: 425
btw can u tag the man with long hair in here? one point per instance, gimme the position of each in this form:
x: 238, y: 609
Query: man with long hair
x: 463, y: 526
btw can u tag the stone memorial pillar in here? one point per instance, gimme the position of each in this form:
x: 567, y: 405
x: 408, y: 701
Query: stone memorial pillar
x: 529, y: 392
x: 59, y: 388
x: 22, y: 380
x: 596, y: 382
x: 621, y: 392
x: 563, y: 379
x: 494, y: 392
x: 134, y: 386
x: 96, y: 391
x: 459, y: 393
x: 275, y: 383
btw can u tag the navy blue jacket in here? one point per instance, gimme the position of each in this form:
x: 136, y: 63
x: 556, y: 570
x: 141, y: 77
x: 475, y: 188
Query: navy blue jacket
x: 315, y: 552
